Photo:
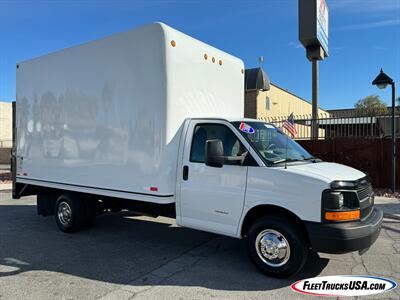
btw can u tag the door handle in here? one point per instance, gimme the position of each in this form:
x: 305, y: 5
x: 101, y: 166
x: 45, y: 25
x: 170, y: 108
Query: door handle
x: 185, y: 173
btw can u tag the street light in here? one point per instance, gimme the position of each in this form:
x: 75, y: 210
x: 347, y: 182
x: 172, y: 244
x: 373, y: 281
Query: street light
x: 382, y: 81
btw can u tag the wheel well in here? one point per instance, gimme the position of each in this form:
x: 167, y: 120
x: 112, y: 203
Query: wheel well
x: 264, y: 210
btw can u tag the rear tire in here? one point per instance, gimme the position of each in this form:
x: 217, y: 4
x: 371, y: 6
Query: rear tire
x: 277, y: 247
x: 70, y: 213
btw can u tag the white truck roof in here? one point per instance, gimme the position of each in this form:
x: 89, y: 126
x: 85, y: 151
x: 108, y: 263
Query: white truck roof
x: 107, y: 114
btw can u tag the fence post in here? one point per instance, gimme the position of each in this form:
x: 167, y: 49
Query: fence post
x: 372, y: 127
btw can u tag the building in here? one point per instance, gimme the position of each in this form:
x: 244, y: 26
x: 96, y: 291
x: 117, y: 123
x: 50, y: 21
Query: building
x: 5, y: 124
x: 5, y: 132
x: 265, y: 100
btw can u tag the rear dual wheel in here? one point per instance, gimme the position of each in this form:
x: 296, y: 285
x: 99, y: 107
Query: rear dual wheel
x: 72, y: 213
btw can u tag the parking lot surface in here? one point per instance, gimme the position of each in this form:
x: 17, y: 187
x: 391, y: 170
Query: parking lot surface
x: 127, y: 256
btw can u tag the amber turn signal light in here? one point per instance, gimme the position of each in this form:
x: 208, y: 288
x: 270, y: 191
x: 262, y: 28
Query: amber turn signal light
x: 342, y: 215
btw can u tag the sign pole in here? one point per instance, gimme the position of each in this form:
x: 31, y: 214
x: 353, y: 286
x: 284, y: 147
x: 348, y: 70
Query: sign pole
x: 314, y: 123
x: 313, y: 34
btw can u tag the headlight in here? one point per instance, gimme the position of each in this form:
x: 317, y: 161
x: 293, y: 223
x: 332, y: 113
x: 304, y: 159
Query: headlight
x: 334, y: 200
x: 340, y: 200
x: 340, y: 205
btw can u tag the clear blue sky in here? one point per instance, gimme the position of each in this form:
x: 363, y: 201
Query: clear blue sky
x: 364, y: 36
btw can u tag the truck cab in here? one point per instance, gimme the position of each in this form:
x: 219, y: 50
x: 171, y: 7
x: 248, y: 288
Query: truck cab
x: 246, y: 178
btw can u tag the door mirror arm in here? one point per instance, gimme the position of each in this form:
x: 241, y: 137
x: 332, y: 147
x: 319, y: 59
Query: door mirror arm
x: 244, y: 157
x: 240, y: 159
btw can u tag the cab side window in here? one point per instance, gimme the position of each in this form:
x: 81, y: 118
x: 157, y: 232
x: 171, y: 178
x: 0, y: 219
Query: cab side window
x: 204, y: 132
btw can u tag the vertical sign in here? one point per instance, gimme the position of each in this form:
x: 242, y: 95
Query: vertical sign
x: 322, y: 24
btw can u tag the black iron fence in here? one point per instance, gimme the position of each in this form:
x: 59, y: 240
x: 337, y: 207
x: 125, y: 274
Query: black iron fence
x: 343, y: 125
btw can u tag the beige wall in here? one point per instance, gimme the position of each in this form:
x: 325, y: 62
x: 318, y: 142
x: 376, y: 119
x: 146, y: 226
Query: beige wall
x: 282, y: 103
x: 5, y: 124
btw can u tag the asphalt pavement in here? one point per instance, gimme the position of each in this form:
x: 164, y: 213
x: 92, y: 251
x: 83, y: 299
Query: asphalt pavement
x: 127, y: 256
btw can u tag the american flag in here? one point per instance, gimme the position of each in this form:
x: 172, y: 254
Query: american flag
x: 290, y: 126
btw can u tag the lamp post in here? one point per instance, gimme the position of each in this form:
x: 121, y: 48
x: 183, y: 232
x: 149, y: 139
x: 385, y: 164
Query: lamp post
x: 382, y: 81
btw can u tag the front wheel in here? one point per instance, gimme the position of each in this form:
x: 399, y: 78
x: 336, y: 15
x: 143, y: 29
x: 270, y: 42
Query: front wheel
x: 276, y: 246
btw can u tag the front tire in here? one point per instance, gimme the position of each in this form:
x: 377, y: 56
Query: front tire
x: 276, y: 246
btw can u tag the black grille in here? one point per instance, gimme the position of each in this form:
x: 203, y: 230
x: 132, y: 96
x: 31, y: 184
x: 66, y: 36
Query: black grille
x: 364, y: 192
x: 366, y: 198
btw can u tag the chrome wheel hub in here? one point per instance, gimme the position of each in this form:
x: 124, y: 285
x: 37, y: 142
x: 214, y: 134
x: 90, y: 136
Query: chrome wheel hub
x: 64, y: 213
x: 272, y: 248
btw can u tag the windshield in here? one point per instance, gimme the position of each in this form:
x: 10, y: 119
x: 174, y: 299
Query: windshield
x: 271, y: 143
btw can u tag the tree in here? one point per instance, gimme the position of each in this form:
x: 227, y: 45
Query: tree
x: 370, y: 106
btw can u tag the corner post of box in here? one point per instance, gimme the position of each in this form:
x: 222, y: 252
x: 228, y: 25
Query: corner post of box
x: 14, y: 151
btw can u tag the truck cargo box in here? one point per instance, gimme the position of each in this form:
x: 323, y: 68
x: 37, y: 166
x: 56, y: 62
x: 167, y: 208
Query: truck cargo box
x: 105, y: 117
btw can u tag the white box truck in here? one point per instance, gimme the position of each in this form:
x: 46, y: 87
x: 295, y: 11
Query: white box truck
x: 151, y: 120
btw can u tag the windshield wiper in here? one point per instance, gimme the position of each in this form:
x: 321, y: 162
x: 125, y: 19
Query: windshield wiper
x: 310, y: 158
x: 287, y: 160
x: 313, y: 159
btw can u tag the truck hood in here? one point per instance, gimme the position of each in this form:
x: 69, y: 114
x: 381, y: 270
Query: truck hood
x: 329, y: 171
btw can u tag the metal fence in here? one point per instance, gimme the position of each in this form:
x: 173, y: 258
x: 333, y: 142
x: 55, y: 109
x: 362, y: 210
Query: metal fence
x: 373, y: 156
x: 349, y: 125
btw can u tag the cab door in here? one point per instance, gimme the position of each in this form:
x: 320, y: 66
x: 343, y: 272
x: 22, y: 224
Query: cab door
x: 212, y: 198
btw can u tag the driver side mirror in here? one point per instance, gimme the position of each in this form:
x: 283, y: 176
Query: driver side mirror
x: 214, y: 153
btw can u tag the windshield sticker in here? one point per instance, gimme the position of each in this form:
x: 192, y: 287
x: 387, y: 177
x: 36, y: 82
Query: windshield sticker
x: 246, y: 128
x: 269, y: 126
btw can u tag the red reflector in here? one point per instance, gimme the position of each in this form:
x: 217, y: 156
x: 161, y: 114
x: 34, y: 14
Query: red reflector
x: 154, y: 189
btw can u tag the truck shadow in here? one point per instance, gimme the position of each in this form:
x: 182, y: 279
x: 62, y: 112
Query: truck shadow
x: 391, y: 208
x: 391, y: 215
x: 125, y: 249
